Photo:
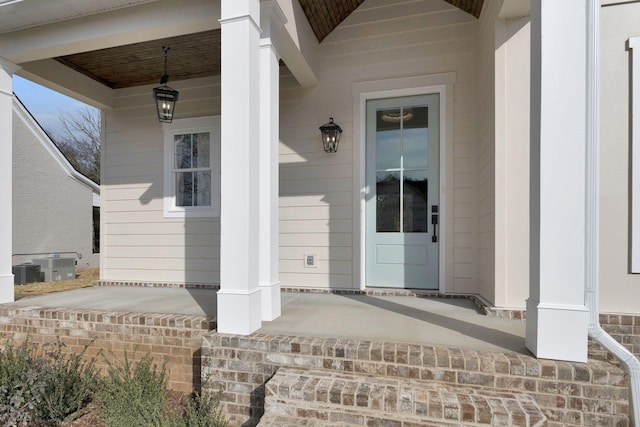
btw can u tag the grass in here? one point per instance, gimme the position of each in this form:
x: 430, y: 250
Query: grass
x: 84, y: 279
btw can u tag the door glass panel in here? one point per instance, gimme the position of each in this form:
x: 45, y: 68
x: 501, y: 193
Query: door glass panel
x: 388, y: 147
x: 415, y: 137
x: 388, y: 202
x: 414, y: 201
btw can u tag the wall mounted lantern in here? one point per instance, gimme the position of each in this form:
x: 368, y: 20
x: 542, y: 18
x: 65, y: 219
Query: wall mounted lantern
x: 165, y: 96
x: 330, y: 136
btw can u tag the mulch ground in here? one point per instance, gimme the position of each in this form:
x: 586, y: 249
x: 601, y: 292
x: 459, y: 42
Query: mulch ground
x: 90, y: 419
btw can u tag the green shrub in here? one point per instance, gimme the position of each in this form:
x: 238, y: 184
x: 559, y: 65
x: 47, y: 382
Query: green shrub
x: 21, y: 389
x: 134, y: 394
x: 203, y: 410
x: 69, y: 382
x: 44, y: 388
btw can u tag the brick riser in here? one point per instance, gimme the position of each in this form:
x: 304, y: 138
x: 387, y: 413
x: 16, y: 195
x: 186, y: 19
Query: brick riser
x: 570, y: 394
x: 325, y: 397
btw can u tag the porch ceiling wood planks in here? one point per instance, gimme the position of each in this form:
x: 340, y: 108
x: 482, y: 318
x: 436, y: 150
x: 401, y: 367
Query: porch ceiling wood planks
x: 191, y: 56
x: 473, y: 7
x: 325, y: 15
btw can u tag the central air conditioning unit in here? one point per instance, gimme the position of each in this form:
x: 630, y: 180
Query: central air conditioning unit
x: 55, y: 269
x: 25, y: 273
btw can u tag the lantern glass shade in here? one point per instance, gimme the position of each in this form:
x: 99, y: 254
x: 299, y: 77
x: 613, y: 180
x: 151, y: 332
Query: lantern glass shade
x: 165, y: 102
x: 330, y: 136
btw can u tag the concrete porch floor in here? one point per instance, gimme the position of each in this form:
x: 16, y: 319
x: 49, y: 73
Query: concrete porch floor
x: 434, y: 321
x: 409, y: 319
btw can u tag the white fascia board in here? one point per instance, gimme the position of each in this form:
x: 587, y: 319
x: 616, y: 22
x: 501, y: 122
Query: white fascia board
x: 298, y: 44
x: 150, y: 21
x: 48, y: 144
x: 56, y: 76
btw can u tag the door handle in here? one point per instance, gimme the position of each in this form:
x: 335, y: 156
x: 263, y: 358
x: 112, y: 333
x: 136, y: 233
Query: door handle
x: 434, y: 222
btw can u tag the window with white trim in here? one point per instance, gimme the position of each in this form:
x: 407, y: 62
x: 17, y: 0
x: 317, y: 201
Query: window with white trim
x: 192, y: 167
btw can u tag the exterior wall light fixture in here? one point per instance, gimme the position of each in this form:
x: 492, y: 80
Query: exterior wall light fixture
x: 330, y: 136
x: 165, y: 96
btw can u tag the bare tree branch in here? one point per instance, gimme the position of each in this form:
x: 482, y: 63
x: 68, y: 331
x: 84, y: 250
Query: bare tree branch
x: 80, y: 141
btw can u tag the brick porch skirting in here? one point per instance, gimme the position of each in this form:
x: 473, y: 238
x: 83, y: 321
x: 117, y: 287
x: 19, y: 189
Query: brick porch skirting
x: 170, y: 338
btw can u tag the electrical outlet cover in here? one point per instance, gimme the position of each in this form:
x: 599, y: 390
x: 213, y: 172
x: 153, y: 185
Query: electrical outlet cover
x: 310, y: 260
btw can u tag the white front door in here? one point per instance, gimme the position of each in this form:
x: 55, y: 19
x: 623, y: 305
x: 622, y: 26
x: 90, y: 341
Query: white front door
x: 402, y: 192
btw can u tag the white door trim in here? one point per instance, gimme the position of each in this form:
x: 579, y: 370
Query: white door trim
x: 441, y: 84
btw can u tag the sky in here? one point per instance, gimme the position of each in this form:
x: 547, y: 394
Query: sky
x: 45, y: 104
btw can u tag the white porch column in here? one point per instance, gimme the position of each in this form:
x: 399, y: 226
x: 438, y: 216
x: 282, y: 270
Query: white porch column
x: 239, y: 302
x: 557, y: 318
x: 7, y: 70
x: 271, y: 20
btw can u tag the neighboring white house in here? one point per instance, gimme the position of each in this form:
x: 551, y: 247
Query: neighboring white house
x: 53, y: 204
x: 474, y: 111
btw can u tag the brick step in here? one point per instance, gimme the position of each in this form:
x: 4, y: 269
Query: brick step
x: 319, y: 397
x: 271, y: 420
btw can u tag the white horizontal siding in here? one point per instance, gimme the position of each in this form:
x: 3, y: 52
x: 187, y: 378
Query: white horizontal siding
x: 315, y: 226
x: 175, y: 264
x: 320, y: 239
x: 188, y: 243
x: 316, y: 212
x: 379, y: 40
x: 323, y: 267
x: 139, y: 242
x: 166, y: 251
x: 337, y: 281
x: 337, y: 198
x: 338, y: 252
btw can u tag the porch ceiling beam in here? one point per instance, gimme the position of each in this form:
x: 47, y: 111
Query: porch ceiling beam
x: 298, y: 44
x: 56, y: 76
x: 515, y: 9
x: 164, y: 18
